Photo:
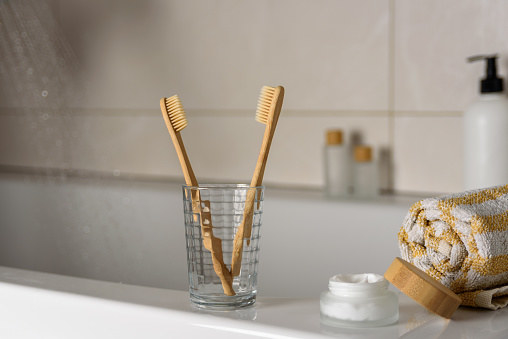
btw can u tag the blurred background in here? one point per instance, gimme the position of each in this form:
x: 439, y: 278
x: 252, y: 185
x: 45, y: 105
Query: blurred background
x: 85, y: 157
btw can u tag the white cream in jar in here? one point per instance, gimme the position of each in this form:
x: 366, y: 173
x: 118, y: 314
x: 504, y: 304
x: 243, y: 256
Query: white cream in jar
x: 358, y: 300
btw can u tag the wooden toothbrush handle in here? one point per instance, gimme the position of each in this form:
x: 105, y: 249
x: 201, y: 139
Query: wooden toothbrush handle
x: 221, y: 269
x: 244, y: 231
x: 259, y: 172
x: 188, y: 173
x: 211, y: 243
x: 248, y: 213
x: 214, y: 245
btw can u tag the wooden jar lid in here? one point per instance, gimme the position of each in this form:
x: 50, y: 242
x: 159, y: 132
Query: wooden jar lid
x: 422, y: 288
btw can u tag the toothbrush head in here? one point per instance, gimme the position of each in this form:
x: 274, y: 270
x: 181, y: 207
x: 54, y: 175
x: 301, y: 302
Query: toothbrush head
x: 174, y: 111
x: 269, y: 104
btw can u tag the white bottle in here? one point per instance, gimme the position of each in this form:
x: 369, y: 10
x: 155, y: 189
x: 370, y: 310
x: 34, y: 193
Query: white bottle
x: 486, y: 132
x: 365, y: 173
x: 336, y: 165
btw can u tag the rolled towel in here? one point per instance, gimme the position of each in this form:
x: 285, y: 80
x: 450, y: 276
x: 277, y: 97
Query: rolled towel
x: 461, y: 240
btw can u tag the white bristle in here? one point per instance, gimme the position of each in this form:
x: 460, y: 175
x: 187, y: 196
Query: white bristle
x: 264, y: 103
x: 176, y: 114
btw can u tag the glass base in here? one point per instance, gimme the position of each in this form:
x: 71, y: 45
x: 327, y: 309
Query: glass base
x: 223, y: 302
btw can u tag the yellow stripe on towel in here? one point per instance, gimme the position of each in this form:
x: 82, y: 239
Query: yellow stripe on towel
x: 477, y: 196
x: 490, y: 223
x: 491, y: 266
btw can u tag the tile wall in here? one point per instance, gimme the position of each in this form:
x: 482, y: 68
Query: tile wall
x: 392, y: 71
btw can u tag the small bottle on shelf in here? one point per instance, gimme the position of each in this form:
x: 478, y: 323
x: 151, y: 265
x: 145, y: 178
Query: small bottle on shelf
x: 365, y: 174
x: 336, y: 165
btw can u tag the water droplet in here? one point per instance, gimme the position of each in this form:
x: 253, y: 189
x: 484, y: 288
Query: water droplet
x: 44, y: 93
x: 45, y: 116
x: 116, y: 173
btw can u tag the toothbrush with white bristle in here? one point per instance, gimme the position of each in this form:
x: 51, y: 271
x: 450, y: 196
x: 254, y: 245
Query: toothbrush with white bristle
x: 267, y: 113
x: 174, y: 117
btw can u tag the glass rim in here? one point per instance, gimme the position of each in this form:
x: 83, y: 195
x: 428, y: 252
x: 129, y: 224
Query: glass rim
x: 221, y: 186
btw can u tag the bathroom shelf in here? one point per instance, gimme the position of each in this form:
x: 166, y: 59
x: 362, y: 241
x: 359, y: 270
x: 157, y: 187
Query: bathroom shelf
x: 292, y: 192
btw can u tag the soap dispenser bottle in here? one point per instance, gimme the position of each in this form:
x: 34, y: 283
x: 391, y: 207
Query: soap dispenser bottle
x: 486, y: 132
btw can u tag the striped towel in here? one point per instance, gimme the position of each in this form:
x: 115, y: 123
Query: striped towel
x: 461, y: 240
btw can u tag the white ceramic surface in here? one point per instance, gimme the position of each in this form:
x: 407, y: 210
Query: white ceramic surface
x: 40, y: 305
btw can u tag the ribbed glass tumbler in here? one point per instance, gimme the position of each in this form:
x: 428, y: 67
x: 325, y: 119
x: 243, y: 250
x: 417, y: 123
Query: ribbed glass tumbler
x: 213, y: 215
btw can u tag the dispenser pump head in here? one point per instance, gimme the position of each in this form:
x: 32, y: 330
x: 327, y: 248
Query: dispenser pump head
x: 491, y: 83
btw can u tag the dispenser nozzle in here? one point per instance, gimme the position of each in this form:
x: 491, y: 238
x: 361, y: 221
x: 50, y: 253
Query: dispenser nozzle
x: 491, y: 83
x: 481, y: 57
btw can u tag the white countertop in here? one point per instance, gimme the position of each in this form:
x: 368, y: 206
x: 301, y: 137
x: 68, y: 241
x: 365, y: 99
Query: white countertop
x: 42, y: 305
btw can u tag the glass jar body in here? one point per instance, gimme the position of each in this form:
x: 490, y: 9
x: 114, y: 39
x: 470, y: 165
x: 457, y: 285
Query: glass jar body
x: 359, y: 305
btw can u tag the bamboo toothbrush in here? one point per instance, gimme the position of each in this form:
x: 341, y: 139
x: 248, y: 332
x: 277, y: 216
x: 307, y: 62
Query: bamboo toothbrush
x: 174, y: 117
x: 268, y: 111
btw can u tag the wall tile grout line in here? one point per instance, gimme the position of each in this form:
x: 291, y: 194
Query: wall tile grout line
x: 391, y: 90
x: 239, y: 113
x: 391, y: 64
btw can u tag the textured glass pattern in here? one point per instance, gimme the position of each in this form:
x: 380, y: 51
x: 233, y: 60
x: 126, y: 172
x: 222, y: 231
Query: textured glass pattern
x: 227, y: 203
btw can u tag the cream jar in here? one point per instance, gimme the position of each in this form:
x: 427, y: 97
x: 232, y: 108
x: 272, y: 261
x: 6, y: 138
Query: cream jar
x: 358, y: 300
